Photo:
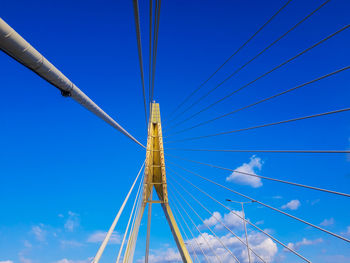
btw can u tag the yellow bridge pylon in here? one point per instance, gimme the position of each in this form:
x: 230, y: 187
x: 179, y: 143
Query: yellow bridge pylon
x: 155, y: 176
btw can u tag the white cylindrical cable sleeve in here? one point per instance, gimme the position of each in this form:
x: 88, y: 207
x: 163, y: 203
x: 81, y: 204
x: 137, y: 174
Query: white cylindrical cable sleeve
x: 18, y: 48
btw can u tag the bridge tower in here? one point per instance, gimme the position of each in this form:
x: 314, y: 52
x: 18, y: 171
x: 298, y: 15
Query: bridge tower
x: 155, y: 179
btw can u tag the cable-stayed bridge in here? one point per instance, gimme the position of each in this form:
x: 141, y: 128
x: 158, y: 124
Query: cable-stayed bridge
x: 151, y: 184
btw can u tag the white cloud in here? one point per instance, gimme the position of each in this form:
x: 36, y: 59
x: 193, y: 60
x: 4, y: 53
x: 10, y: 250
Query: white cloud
x: 347, y: 232
x: 99, y: 236
x: 327, y: 222
x: 292, y: 205
x: 261, y: 222
x: 262, y: 245
x: 266, y: 249
x: 72, y: 222
x: 169, y: 255
x: 230, y: 220
x: 254, y: 165
x: 22, y: 259
x: 233, y: 221
x: 6, y: 261
x: 70, y: 243
x: 213, y: 220
x: 27, y: 244
x: 304, y: 242
x: 314, y: 202
x: 277, y: 197
x: 65, y: 260
x: 39, y: 232
x: 336, y: 258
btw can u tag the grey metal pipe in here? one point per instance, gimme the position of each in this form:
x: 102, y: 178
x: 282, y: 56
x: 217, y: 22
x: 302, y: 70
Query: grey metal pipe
x: 18, y: 48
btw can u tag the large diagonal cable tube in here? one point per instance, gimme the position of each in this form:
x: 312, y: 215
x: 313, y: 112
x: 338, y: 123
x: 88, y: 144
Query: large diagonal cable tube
x: 19, y: 49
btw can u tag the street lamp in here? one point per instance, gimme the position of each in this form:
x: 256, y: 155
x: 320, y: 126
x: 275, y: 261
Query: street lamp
x: 244, y: 222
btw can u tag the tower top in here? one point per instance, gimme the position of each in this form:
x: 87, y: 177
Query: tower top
x: 155, y: 118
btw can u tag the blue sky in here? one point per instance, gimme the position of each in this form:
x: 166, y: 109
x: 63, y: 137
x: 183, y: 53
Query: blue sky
x: 64, y: 173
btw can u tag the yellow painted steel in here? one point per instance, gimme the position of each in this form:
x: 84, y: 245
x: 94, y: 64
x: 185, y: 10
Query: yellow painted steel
x: 155, y: 176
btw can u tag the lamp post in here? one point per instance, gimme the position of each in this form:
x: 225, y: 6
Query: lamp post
x: 244, y: 223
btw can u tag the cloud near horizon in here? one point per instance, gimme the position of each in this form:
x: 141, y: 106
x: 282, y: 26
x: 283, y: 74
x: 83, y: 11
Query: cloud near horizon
x: 65, y: 260
x: 262, y: 245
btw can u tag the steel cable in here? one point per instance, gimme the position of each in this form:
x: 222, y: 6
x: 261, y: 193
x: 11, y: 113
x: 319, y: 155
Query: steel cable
x: 201, y: 234
x: 266, y: 205
x: 259, y: 151
x: 229, y: 58
x: 207, y: 226
x: 263, y: 75
x: 130, y: 218
x: 115, y: 221
x: 155, y: 45
x: 189, y: 229
x: 263, y: 100
x: 150, y: 51
x: 260, y: 176
x: 262, y: 125
x: 247, y: 221
x: 139, y: 48
x: 187, y: 239
x: 224, y: 225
